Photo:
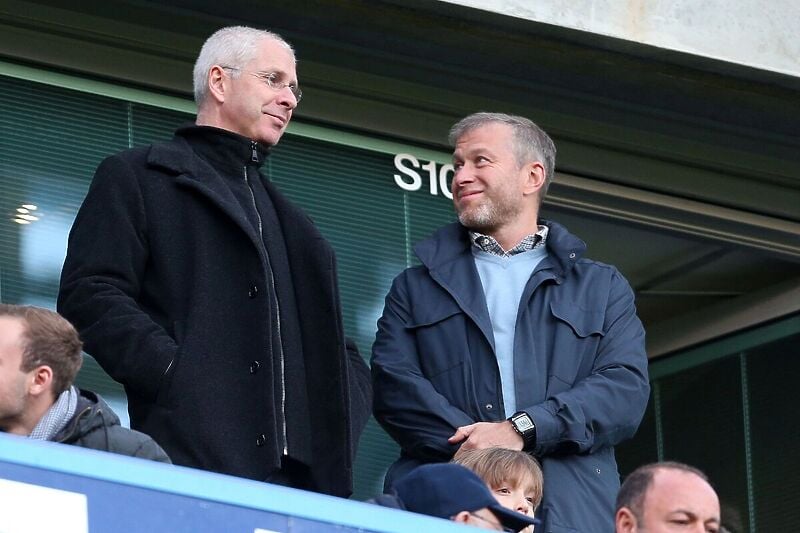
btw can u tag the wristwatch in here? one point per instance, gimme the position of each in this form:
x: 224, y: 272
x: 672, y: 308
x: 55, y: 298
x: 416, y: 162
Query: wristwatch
x: 523, y: 425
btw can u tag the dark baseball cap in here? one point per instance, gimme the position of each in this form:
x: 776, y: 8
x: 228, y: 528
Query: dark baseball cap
x: 446, y: 489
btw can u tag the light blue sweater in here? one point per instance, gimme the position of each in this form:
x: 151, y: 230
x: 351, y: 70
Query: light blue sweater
x: 504, y: 279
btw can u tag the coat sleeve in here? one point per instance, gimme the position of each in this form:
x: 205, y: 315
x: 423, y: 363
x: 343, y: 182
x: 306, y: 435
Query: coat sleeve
x: 101, y: 280
x: 606, y: 407
x: 147, y: 448
x: 406, y: 403
x: 360, y: 390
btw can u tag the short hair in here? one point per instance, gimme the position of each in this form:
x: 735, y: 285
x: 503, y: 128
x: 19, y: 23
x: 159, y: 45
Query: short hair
x: 234, y: 46
x: 496, y: 466
x: 632, y: 492
x: 531, y: 143
x: 48, y: 339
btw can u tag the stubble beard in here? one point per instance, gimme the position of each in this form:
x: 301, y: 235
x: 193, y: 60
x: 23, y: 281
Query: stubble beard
x: 489, y: 215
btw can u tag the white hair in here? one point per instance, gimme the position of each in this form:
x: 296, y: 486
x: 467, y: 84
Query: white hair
x: 234, y: 46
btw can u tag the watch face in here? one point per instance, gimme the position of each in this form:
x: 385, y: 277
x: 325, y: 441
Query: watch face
x: 523, y: 423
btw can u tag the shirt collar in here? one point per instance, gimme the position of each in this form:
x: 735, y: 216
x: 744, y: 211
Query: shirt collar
x: 489, y: 244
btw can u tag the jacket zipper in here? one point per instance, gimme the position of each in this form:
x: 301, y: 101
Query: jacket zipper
x: 284, y: 439
x: 75, y: 421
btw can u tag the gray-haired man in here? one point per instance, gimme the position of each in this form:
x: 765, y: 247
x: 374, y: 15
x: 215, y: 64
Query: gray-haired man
x: 210, y: 296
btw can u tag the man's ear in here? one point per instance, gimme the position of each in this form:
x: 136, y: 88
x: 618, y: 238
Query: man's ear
x: 625, y: 521
x: 462, y: 517
x: 535, y: 178
x: 217, y: 83
x: 42, y: 382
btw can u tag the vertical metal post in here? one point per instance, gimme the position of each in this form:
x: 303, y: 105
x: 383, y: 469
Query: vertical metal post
x: 659, y: 423
x: 129, y: 109
x: 748, y: 455
x: 407, y: 228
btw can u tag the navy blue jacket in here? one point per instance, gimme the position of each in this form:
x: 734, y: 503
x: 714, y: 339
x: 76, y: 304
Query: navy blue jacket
x: 579, y: 359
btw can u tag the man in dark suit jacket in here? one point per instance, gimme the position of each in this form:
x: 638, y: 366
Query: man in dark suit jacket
x: 211, y: 297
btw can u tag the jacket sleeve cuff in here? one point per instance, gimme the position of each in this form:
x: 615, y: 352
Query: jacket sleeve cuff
x: 547, y: 429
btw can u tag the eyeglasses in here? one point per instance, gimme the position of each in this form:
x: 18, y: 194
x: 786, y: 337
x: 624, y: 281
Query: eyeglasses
x: 272, y: 79
x: 495, y: 525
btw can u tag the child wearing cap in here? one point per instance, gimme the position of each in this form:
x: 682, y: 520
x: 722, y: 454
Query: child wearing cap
x: 514, y: 477
x: 454, y: 492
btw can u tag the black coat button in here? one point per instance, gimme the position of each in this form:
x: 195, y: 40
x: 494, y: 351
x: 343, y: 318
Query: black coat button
x: 254, y: 366
x: 253, y: 292
x: 261, y: 440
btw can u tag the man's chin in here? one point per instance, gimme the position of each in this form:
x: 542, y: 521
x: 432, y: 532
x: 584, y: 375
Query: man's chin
x: 270, y: 138
x: 480, y: 222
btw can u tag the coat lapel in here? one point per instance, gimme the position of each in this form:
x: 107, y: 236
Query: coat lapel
x: 192, y: 172
x: 306, y: 248
x: 450, y: 263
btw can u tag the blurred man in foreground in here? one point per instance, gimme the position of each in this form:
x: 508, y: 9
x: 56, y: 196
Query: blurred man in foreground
x: 40, y: 355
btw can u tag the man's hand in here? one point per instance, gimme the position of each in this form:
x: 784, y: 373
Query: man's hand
x: 486, y: 435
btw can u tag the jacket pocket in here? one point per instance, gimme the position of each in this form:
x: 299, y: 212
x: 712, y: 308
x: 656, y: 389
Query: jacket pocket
x: 433, y: 312
x: 165, y: 385
x: 583, y: 322
x: 575, y: 336
x: 440, y: 335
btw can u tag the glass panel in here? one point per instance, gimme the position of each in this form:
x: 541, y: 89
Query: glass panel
x: 51, y: 140
x: 150, y: 124
x: 45, y: 170
x: 643, y: 447
x: 704, y: 426
x: 775, y: 433
x: 350, y: 195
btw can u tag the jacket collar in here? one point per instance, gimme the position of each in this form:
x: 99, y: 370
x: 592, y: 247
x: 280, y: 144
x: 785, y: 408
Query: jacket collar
x: 564, y: 249
x: 213, y: 147
x: 448, y: 258
x: 452, y: 242
x: 92, y: 412
x: 225, y: 150
x: 179, y: 158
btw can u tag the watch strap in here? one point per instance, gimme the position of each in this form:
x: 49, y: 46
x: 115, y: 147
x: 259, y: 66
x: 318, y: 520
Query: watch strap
x: 525, y: 427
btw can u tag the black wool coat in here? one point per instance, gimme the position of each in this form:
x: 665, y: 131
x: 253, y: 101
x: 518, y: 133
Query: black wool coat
x: 164, y: 279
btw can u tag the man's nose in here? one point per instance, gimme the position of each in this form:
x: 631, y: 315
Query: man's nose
x: 462, y: 176
x: 286, y: 98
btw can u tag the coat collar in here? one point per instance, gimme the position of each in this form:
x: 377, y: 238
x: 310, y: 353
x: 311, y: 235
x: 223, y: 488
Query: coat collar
x: 209, y: 148
x: 563, y: 248
x: 92, y: 412
x: 448, y: 257
x: 225, y: 150
x: 451, y: 243
x: 177, y: 157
